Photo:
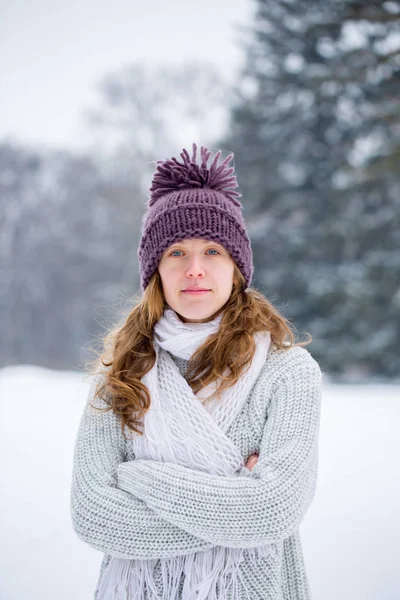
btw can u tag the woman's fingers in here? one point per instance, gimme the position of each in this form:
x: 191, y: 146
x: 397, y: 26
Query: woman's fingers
x: 251, y: 461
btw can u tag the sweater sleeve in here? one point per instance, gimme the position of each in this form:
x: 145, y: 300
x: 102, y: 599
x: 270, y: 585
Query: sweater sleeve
x: 106, y: 517
x: 251, y: 508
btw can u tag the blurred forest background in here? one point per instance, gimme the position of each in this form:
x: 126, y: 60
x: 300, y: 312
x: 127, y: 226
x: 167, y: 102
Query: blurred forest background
x: 314, y: 123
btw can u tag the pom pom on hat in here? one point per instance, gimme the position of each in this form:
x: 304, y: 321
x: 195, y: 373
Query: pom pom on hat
x: 172, y: 175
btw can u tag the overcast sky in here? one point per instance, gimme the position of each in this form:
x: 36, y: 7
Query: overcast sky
x: 52, y: 54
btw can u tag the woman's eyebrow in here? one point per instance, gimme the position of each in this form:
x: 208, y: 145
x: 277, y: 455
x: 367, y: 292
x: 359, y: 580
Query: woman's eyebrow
x: 205, y: 245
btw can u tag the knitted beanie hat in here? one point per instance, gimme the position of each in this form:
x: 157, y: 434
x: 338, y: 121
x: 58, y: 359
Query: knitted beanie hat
x: 190, y: 200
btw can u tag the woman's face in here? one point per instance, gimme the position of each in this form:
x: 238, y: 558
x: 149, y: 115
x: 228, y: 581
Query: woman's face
x: 196, y: 263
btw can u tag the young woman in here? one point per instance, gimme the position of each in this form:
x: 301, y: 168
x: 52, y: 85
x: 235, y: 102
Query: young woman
x: 196, y: 456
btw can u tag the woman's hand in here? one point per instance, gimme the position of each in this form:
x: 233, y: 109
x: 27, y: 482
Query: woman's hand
x: 251, y: 461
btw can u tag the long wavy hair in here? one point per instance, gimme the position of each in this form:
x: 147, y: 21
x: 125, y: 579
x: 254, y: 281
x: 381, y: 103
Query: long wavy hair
x: 128, y: 353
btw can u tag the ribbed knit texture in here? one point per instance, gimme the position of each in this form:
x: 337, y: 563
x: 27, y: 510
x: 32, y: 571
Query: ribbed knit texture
x: 181, y: 510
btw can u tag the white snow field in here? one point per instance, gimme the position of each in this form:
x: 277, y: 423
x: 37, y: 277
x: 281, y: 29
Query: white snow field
x: 350, y: 533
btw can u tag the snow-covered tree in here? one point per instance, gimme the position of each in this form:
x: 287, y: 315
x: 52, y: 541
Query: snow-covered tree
x: 316, y: 135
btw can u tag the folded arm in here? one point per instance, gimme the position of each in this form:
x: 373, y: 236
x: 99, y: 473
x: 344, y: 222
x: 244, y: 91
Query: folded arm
x: 263, y: 506
x: 106, y: 517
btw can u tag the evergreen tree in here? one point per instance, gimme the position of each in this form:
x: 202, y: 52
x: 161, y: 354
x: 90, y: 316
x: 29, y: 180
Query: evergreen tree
x: 316, y: 135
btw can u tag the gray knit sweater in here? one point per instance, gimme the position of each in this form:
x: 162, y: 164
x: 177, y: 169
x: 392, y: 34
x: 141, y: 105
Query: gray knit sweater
x: 279, y: 420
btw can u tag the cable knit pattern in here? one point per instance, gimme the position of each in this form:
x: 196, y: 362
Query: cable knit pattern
x: 145, y: 509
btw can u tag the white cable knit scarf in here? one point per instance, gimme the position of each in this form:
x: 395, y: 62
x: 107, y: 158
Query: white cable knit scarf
x: 179, y: 428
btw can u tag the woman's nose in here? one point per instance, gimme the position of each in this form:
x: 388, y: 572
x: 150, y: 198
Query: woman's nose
x: 195, y: 268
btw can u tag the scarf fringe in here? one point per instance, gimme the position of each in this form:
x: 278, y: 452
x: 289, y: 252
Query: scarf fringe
x: 208, y: 575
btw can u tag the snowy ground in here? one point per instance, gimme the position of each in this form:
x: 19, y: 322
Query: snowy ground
x: 350, y: 534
